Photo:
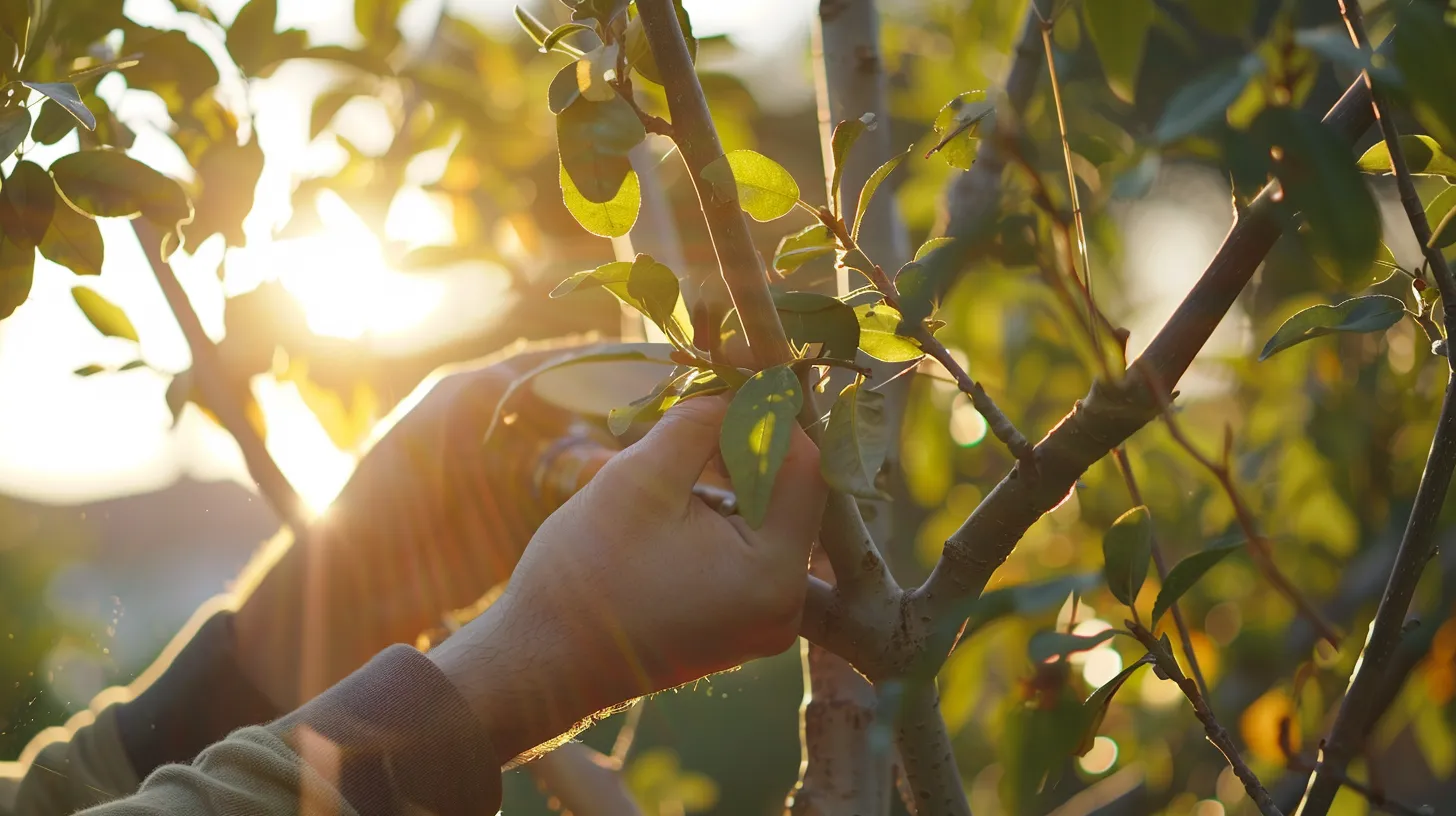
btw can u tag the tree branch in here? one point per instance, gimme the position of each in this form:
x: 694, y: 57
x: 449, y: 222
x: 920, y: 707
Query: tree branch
x: 856, y: 561
x: 1355, y: 23
x: 1111, y: 412
x: 930, y: 766
x: 1358, y: 709
x: 1217, y: 734
x: 225, y: 396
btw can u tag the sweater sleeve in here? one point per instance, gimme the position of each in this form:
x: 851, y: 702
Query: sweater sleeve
x: 393, y: 738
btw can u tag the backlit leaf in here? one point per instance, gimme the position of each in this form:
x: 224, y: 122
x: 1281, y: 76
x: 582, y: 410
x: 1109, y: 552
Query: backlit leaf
x: 14, y: 125
x: 563, y: 89
x: 870, y: 186
x: 111, y: 184
x: 1443, y: 234
x: 846, y: 133
x: 755, y: 438
x: 639, y: 55
x: 107, y: 317
x: 610, y: 219
x: 1423, y: 156
x: 29, y: 201
x: 1425, y: 53
x: 877, y: 337
x: 73, y: 240
x: 797, y: 249
x: 65, y: 95
x: 1206, y: 99
x: 1186, y: 573
x: 762, y: 187
x: 932, y: 245
x: 595, y: 71
x: 17, y: 272
x: 959, y: 125
x: 1046, y: 644
x: 53, y: 124
x: 1371, y: 313
x: 594, y: 138
x: 1119, y: 32
x: 855, y: 442
x: 1321, y: 181
x: 1094, y: 710
x: 1127, y: 551
x: 653, y: 285
x: 809, y: 317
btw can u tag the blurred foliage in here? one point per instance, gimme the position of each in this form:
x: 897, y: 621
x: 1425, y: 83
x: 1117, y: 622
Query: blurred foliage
x: 1329, y: 435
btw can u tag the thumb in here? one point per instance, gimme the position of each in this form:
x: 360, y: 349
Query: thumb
x: 682, y: 443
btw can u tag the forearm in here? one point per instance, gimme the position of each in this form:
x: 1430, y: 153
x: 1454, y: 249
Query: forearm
x: 393, y: 738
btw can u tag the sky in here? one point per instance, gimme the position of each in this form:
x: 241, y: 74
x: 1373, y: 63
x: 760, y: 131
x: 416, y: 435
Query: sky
x: 66, y: 439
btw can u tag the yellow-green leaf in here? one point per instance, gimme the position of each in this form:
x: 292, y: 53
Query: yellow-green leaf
x: 1186, y: 573
x: 74, y: 241
x: 877, y: 337
x: 759, y: 184
x: 755, y: 438
x: 107, y: 317
x: 1127, y: 551
x: 610, y: 219
x: 871, y: 185
x: 17, y: 272
x: 1422, y: 154
x: 797, y: 249
x: 1119, y: 32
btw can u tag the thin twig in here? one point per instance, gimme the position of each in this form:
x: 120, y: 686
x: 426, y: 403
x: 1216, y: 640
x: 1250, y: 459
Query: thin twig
x: 1409, y: 200
x: 1046, y: 41
x: 1120, y: 454
x: 1167, y: 664
x: 1257, y: 544
x: 225, y: 397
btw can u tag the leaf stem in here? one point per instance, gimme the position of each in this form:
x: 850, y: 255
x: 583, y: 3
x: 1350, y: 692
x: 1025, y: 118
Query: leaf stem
x: 1217, y: 734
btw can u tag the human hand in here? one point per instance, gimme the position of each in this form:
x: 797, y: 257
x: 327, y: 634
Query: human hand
x: 428, y: 522
x: 636, y: 585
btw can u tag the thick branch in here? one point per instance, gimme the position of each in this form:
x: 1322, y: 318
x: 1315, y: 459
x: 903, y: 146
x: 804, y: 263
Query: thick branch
x: 1358, y: 709
x: 1217, y: 734
x: 224, y: 395
x: 1110, y: 413
x: 930, y: 765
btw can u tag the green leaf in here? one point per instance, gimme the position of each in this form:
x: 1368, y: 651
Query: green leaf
x: 14, y: 124
x: 595, y: 71
x: 108, y: 318
x: 959, y: 125
x: 111, y: 184
x: 797, y: 249
x: 759, y: 184
x: 1047, y: 644
x: 594, y: 138
x: 1444, y: 233
x: 1024, y: 599
x: 931, y: 245
x: 809, y: 317
x: 376, y: 20
x: 89, y: 370
x: 17, y: 272
x: 251, y: 37
x: 563, y: 89
x: 1333, y: 43
x: 609, y: 219
x: 65, y: 95
x: 53, y: 124
x: 1186, y: 573
x: 1425, y: 53
x: 561, y: 31
x: 855, y: 442
x: 29, y: 202
x: 1371, y: 313
x: 1127, y: 550
x: 651, y: 407
x: 877, y: 337
x: 74, y: 241
x: 1094, y: 710
x: 1206, y: 99
x: 846, y: 133
x: 1322, y: 183
x: 639, y: 55
x: 1423, y: 156
x: 870, y: 186
x: 654, y: 290
x: 1119, y: 32
x: 606, y: 276
x: 755, y: 438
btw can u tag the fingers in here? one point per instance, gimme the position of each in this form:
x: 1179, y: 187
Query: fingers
x: 675, y: 451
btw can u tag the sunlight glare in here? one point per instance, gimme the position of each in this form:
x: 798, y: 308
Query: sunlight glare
x: 300, y: 445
